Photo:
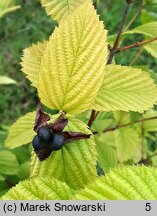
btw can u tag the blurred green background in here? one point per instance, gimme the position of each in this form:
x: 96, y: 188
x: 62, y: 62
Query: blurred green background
x: 30, y: 24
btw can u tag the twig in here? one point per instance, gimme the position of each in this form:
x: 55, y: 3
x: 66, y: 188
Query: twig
x: 137, y: 44
x: 116, y: 43
x: 133, y: 18
x: 127, y: 124
x: 137, y: 56
x: 92, y: 118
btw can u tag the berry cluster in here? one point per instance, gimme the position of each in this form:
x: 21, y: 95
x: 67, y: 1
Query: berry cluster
x: 46, y: 138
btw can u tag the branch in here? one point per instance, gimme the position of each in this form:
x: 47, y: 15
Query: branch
x: 92, y: 118
x: 113, y: 50
x: 127, y: 124
x: 137, y: 44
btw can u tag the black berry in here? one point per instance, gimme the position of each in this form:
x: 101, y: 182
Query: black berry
x: 57, y: 142
x: 44, y: 133
x: 37, y: 143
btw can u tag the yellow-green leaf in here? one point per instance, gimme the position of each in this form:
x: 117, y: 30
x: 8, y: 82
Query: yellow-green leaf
x: 39, y: 189
x: 107, y: 157
x: 123, y: 183
x: 149, y: 29
x: 126, y: 89
x: 8, y: 163
x: 121, y: 117
x: 74, y: 164
x: 59, y: 9
x: 127, y: 143
x: 73, y: 63
x: 21, y: 132
x: 31, y: 61
x: 7, y: 6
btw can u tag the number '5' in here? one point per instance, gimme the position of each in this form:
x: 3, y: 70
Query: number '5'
x: 148, y: 207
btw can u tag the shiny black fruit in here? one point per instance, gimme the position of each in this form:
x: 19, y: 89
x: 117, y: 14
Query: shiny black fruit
x: 44, y: 133
x: 57, y: 142
x: 37, y: 143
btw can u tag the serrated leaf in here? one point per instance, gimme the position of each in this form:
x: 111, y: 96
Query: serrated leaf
x: 39, y: 189
x: 107, y: 158
x: 74, y: 164
x: 6, y: 80
x: 59, y: 9
x: 73, y: 63
x: 31, y: 61
x: 127, y: 89
x: 149, y: 29
x: 21, y: 132
x: 127, y: 143
x: 123, y: 183
x: 8, y: 163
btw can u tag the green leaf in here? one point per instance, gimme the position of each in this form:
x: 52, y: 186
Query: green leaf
x: 8, y: 163
x: 127, y: 140
x: 22, y: 153
x: 21, y: 132
x: 98, y: 124
x: 59, y: 9
x: 123, y: 183
x: 72, y: 67
x: 121, y: 117
x: 3, y: 135
x: 127, y: 143
x: 4, y: 187
x: 74, y: 164
x: 1, y: 178
x: 148, y: 29
x: 39, y: 189
x: 24, y: 171
x: 31, y: 61
x: 103, y: 120
x: 107, y: 158
x: 7, y: 6
x: 6, y: 80
x: 127, y: 89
